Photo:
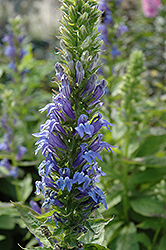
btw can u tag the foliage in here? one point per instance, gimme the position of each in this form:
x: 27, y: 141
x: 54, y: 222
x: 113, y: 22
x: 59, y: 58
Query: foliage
x: 21, y: 90
x: 135, y: 175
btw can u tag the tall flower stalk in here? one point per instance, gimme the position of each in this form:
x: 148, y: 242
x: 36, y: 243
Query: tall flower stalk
x: 70, y: 139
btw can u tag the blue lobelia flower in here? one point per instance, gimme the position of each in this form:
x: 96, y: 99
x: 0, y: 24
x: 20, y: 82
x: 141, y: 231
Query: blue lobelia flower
x: 14, y: 49
x: 69, y: 139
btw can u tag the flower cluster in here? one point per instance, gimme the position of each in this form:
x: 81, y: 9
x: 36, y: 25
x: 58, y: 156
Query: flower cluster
x: 14, y: 48
x: 11, y: 148
x: 7, y: 146
x: 107, y: 21
x: 150, y: 7
x: 70, y: 138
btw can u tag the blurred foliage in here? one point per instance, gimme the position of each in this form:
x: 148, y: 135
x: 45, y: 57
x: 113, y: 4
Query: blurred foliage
x: 135, y: 180
x: 25, y: 87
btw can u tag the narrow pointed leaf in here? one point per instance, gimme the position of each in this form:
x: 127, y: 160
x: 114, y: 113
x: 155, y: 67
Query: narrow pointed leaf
x: 33, y: 224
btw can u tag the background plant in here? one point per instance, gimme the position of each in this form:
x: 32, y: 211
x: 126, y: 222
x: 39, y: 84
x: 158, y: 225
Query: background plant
x: 23, y: 89
x: 137, y: 172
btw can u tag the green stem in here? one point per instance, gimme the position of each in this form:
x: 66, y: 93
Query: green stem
x: 20, y: 105
x: 157, y: 233
x: 125, y: 178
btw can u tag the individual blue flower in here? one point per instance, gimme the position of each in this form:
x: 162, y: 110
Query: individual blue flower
x: 115, y: 52
x: 91, y: 83
x: 21, y: 151
x: 59, y: 70
x: 98, y: 92
x: 122, y: 29
x: 84, y: 127
x: 106, y: 13
x: 35, y: 206
x: 14, y: 49
x: 118, y: 2
x: 65, y: 86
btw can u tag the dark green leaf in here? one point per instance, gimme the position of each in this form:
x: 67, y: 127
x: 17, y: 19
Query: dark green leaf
x: 162, y: 245
x: 144, y: 240
x: 69, y: 239
x: 151, y: 223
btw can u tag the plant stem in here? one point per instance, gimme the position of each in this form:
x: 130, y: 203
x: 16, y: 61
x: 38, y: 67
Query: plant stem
x: 125, y: 178
x: 157, y: 233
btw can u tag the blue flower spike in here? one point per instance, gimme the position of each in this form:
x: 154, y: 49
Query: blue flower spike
x: 70, y: 138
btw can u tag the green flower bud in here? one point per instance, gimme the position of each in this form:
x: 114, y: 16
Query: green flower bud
x: 86, y: 43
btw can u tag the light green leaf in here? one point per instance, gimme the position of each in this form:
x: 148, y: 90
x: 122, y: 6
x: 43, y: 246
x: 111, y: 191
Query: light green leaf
x: 33, y: 224
x: 152, y: 161
x: 2, y: 237
x: 7, y: 208
x: 26, y: 187
x: 94, y: 247
x: 7, y: 222
x: 148, y: 207
x: 98, y: 226
x: 127, y: 238
x: 113, y: 230
x: 151, y: 145
x: 36, y: 248
x: 149, y: 175
x: 1, y: 71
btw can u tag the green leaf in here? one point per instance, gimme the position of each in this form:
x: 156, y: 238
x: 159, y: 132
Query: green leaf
x: 151, y: 145
x: 113, y: 230
x: 94, y: 247
x: 7, y: 222
x: 144, y: 239
x: 69, y: 239
x: 149, y: 175
x: 25, y: 188
x: 37, y: 248
x: 162, y: 243
x: 7, y: 189
x: 33, y: 224
x: 1, y: 72
x: 2, y: 237
x: 152, y: 161
x: 127, y: 238
x: 98, y: 227
x: 7, y: 208
x: 147, y: 206
x: 150, y: 223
